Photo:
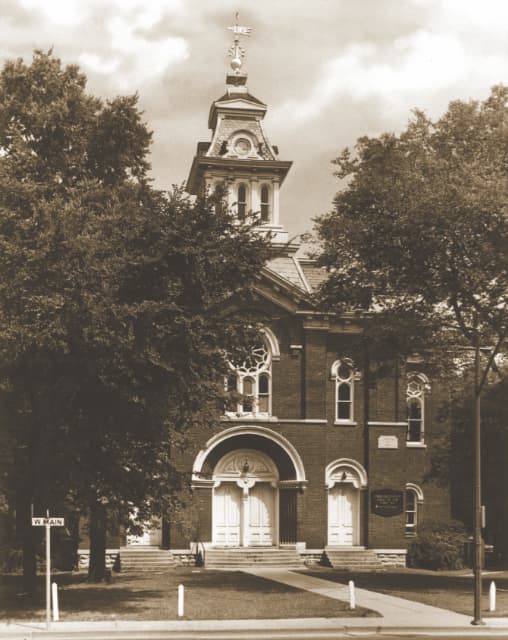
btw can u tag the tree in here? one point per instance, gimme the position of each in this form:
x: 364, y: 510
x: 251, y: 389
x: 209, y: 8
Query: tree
x: 418, y: 236
x: 112, y: 338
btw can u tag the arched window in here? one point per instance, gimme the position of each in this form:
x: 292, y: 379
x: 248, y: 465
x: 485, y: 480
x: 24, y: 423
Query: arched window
x: 414, y: 497
x: 252, y: 380
x: 241, y: 201
x: 344, y: 375
x: 265, y: 203
x: 415, y: 398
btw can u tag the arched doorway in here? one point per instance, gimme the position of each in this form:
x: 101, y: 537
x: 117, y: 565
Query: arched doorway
x: 344, y: 480
x: 245, y: 500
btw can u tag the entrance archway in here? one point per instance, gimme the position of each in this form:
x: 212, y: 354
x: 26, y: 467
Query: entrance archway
x: 245, y: 500
x: 344, y: 479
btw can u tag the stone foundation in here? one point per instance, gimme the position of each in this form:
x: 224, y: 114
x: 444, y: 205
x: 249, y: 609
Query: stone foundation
x: 392, y: 557
x: 311, y: 557
x: 84, y: 557
x: 184, y: 557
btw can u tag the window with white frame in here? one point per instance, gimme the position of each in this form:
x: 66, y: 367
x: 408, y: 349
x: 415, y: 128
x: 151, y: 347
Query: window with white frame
x: 417, y: 385
x: 252, y: 380
x: 265, y: 203
x: 344, y: 375
x: 241, y: 201
x: 411, y: 511
x: 414, y: 497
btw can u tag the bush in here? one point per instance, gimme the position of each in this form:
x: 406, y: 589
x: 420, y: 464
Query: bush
x: 439, y: 546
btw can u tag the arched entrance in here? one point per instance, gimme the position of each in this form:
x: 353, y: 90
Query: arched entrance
x: 254, y: 503
x: 245, y: 500
x: 344, y: 480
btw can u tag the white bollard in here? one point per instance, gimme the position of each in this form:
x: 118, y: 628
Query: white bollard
x: 352, y: 599
x: 492, y: 596
x: 180, y: 600
x: 54, y: 598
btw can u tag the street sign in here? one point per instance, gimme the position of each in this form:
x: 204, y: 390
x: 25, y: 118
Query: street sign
x: 48, y: 523
x: 52, y: 522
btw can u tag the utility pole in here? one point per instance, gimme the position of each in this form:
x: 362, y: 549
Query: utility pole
x: 477, y: 534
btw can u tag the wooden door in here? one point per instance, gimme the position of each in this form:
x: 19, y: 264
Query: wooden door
x: 227, y: 502
x: 261, y: 514
x: 342, y: 515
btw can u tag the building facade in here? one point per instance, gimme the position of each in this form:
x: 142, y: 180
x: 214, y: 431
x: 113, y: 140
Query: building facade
x: 315, y: 456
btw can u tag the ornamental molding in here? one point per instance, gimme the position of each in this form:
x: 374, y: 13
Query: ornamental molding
x: 255, y: 430
x: 345, y: 471
x: 410, y: 486
x: 246, y: 464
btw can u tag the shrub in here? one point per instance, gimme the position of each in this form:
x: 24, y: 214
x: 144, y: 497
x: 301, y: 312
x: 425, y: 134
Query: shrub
x: 439, y: 546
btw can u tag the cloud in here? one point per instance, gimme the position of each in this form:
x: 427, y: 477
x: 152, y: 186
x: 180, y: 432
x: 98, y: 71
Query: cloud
x: 59, y: 12
x: 454, y: 52
x: 113, y: 38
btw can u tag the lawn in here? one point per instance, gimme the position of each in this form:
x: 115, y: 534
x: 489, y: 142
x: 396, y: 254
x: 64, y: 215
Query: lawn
x: 209, y: 595
x: 446, y: 589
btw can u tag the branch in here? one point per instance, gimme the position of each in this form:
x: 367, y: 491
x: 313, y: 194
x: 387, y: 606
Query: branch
x: 493, y: 354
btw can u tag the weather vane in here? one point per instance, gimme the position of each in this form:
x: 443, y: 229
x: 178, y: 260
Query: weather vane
x: 236, y: 51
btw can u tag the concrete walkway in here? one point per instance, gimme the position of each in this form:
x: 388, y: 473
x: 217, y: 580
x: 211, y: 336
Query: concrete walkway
x: 395, y: 612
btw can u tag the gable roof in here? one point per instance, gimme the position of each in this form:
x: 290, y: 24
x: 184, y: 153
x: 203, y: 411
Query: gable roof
x: 301, y: 273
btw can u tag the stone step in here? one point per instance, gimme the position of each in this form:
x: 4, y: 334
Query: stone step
x: 353, y: 559
x: 143, y: 559
x: 229, y: 557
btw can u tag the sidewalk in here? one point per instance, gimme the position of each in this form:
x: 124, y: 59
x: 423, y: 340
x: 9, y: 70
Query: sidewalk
x: 395, y: 612
x: 286, y: 629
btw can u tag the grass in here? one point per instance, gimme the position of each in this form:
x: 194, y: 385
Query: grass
x: 451, y: 590
x: 209, y: 595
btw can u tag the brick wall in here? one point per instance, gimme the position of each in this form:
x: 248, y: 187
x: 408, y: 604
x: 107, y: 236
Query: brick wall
x: 319, y: 441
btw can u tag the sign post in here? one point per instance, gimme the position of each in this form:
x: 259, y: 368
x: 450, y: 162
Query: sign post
x: 48, y: 523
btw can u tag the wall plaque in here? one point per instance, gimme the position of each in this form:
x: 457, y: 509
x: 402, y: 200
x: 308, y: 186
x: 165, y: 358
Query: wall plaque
x: 387, y: 502
x: 387, y: 442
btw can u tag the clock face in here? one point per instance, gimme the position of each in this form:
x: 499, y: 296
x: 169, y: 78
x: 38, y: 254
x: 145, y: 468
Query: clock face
x: 242, y: 146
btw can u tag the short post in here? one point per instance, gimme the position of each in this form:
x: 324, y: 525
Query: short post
x: 492, y: 596
x: 180, y: 600
x: 54, y: 595
x: 352, y: 599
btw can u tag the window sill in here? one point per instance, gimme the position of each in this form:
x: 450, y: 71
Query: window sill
x: 345, y: 423
x: 410, y: 534
x: 261, y: 417
x: 416, y: 445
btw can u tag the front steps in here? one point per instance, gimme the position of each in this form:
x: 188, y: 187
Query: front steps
x: 353, y: 559
x: 138, y: 559
x: 261, y: 557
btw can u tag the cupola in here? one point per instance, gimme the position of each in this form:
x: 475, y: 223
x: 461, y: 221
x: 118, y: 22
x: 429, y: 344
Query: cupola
x: 239, y: 155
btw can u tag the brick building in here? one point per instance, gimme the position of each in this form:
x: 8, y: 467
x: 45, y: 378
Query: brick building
x: 310, y: 460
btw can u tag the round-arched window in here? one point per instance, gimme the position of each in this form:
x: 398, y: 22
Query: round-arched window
x: 344, y: 390
x: 252, y: 379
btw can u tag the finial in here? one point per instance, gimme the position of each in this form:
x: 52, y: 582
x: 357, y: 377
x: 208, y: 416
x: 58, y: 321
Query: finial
x: 236, y: 51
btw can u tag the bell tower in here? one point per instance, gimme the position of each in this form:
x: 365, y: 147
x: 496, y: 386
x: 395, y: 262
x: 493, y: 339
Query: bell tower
x: 240, y: 155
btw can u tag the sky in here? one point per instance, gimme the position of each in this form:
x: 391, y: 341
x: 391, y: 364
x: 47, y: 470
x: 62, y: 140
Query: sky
x: 330, y: 71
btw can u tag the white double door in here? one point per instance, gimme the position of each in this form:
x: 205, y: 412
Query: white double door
x: 151, y: 535
x: 244, y: 517
x: 343, y: 515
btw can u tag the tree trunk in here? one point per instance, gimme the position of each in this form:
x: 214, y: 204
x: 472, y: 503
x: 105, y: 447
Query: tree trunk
x: 98, y: 528
x: 29, y: 557
x: 27, y: 536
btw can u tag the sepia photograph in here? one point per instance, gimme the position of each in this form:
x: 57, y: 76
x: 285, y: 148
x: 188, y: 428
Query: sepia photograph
x: 253, y: 319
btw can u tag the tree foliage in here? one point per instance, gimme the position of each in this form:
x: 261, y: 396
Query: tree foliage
x: 419, y: 233
x: 112, y: 338
x: 418, y: 241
